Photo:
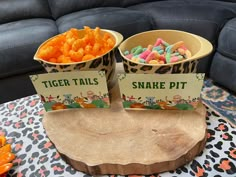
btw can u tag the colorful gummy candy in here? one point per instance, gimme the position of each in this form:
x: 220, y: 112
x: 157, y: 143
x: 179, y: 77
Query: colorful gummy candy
x: 70, y: 47
x: 159, y: 53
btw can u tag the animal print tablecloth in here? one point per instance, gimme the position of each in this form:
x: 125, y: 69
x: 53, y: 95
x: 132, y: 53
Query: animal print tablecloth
x: 21, y: 123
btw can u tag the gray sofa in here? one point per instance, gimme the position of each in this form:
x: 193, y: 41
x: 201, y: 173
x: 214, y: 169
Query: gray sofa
x: 25, y: 24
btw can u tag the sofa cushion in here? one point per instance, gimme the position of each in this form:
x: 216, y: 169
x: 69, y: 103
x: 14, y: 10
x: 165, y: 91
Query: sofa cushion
x: 125, y: 21
x: 18, y: 43
x: 227, y: 40
x: 63, y: 7
x: 17, y: 86
x: 223, y: 71
x: 204, y: 18
x: 133, y: 2
x: 13, y: 10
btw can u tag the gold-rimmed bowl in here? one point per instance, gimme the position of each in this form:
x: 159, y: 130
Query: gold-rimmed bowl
x: 198, y: 46
x: 105, y: 62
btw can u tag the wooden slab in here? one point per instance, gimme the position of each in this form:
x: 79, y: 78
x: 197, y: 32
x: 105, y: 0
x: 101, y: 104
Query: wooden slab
x: 115, y: 141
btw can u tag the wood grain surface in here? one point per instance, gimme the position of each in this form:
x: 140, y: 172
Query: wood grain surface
x: 116, y: 141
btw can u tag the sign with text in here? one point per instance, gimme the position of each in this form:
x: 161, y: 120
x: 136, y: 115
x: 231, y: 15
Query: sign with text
x: 65, y: 90
x: 165, y: 91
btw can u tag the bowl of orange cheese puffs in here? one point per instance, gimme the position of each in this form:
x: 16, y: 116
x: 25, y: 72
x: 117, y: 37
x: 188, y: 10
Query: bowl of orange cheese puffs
x: 80, y: 50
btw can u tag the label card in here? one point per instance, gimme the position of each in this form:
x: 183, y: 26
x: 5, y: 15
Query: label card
x: 165, y: 91
x: 66, y: 90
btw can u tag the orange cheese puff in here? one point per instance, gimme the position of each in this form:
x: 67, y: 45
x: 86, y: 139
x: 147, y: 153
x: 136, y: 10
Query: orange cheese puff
x: 86, y: 39
x: 79, y: 43
x: 70, y: 41
x: 81, y: 50
x: 56, y: 51
x: 88, y: 49
x: 60, y: 59
x: 63, y: 59
x: 58, y: 40
x: 5, y: 148
x: 90, y: 34
x: 87, y: 57
x: 97, y: 34
x: 6, y: 157
x: 96, y: 48
x: 103, y: 51
x: 49, y: 52
x: 53, y: 60
x: 92, y: 38
x: 3, y: 141
x: 76, y: 56
x: 97, y: 30
x: 87, y: 29
x: 5, y: 168
x: 71, y: 34
x: 110, y: 42
x: 42, y: 53
x: 98, y: 39
x: 67, y: 60
x: 106, y: 36
x: 74, y: 31
x: 65, y: 48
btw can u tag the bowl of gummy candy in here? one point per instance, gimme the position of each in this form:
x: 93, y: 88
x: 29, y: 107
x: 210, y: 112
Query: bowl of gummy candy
x: 163, y: 52
x: 80, y: 50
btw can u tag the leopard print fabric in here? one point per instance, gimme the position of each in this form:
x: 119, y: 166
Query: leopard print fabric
x: 36, y: 156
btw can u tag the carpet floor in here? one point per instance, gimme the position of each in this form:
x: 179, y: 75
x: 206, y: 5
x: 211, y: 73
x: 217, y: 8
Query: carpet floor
x: 220, y: 100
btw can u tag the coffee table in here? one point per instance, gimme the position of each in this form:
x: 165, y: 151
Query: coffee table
x: 21, y: 123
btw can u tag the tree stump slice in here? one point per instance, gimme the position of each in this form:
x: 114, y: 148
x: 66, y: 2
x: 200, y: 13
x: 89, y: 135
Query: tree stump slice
x: 117, y: 141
